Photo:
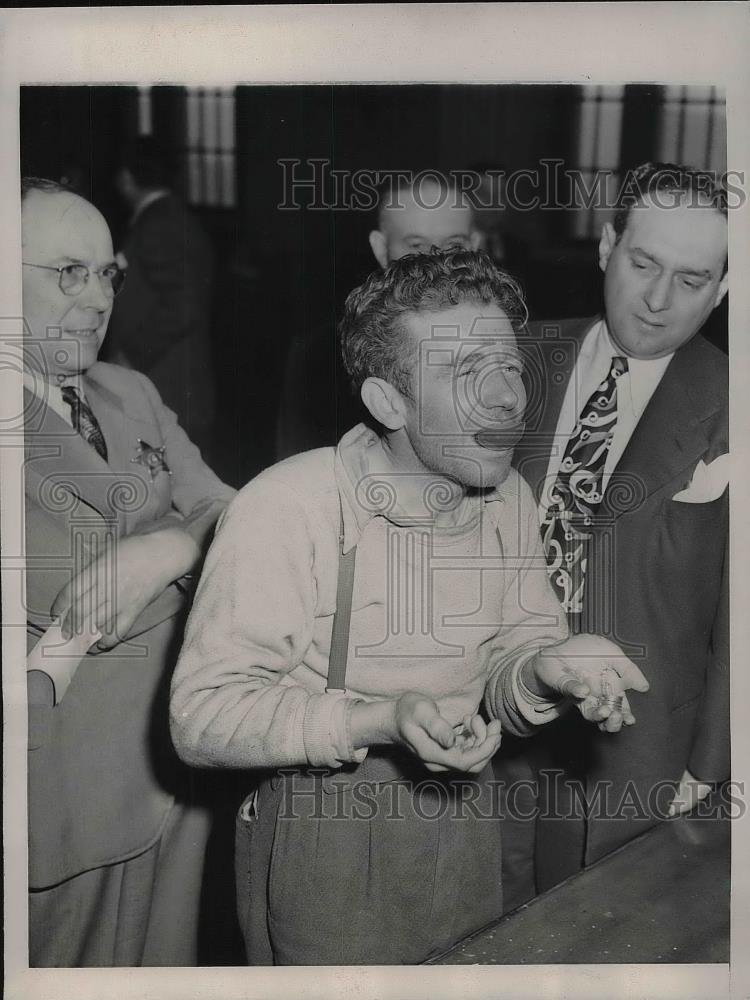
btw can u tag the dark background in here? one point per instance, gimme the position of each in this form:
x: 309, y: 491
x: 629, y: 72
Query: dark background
x: 281, y: 273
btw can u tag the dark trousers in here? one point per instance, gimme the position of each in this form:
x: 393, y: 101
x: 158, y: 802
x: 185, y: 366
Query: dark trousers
x: 382, y: 863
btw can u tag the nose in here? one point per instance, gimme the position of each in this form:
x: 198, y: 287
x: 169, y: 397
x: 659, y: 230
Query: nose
x: 502, y: 391
x: 96, y: 294
x: 658, y: 295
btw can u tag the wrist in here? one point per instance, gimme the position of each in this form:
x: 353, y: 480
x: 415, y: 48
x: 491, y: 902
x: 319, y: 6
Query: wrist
x: 372, y: 722
x: 529, y: 677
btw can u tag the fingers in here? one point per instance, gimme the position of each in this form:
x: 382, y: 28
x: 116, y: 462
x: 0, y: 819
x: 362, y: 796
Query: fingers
x: 478, y: 728
x: 628, y: 719
x: 574, y: 687
x: 468, y: 758
x: 440, y: 731
x: 61, y: 603
x: 484, y: 754
x: 689, y: 793
x: 632, y: 676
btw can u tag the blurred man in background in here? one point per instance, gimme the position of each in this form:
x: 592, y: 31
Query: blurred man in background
x: 161, y: 324
x: 317, y: 405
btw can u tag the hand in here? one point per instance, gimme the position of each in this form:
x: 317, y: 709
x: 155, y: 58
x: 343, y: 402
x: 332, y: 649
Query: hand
x: 419, y: 726
x: 689, y: 793
x: 109, y: 594
x: 583, y: 668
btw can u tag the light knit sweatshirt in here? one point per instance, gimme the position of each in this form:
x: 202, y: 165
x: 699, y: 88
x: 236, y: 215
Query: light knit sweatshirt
x: 452, y: 613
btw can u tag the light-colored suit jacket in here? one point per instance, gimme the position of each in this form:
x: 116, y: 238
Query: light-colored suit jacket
x: 102, y: 773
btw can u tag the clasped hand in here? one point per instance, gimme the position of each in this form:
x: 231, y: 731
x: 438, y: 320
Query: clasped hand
x: 419, y: 726
x: 106, y: 597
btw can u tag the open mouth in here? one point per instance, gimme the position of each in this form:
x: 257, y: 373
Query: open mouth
x: 500, y: 438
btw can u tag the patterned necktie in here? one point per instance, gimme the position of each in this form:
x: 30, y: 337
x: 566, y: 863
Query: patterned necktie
x: 577, y: 492
x: 84, y: 420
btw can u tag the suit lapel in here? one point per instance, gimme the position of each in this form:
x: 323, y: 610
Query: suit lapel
x: 58, y: 457
x: 551, y: 355
x: 669, y: 438
x: 124, y: 423
x: 110, y: 412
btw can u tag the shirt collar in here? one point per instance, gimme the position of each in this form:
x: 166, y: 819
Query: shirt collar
x: 357, y: 454
x: 41, y: 388
x: 645, y: 373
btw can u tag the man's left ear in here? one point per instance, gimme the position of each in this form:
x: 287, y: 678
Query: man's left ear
x: 475, y: 239
x: 722, y: 289
x: 384, y: 402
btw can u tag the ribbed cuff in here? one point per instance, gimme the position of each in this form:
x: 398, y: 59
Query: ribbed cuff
x: 533, y: 707
x: 326, y: 731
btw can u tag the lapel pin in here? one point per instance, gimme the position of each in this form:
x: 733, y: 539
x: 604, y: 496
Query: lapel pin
x: 152, y: 458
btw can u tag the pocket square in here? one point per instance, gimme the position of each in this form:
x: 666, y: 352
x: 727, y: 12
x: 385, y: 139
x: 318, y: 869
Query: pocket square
x: 708, y: 482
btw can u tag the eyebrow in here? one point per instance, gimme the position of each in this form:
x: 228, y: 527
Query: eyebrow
x: 478, y: 354
x: 77, y: 260
x: 682, y: 270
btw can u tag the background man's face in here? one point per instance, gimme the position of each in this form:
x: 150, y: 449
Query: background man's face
x: 664, y: 276
x: 60, y: 229
x: 468, y: 396
x: 416, y: 226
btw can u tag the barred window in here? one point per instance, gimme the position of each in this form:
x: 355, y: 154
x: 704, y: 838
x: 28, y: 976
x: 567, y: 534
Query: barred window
x: 144, y: 111
x: 210, y: 146
x: 694, y: 128
x: 599, y: 140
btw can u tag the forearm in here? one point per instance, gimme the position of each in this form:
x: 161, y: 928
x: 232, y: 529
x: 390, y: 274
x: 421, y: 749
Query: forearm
x: 197, y: 527
x: 175, y: 551
x: 243, y: 694
x: 241, y: 722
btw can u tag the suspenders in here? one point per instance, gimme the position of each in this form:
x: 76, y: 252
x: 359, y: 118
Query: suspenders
x: 342, y: 615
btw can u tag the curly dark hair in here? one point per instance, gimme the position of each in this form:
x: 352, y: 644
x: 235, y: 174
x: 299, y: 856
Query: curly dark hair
x: 653, y: 179
x: 374, y: 341
x: 667, y: 178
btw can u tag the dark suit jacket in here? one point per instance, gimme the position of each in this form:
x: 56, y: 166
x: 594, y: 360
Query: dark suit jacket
x: 656, y: 584
x: 102, y: 773
x: 161, y: 319
x: 317, y: 404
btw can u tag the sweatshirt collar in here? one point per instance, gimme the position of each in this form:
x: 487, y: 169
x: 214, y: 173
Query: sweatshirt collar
x: 366, y: 494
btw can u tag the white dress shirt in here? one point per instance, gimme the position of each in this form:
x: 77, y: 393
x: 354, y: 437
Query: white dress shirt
x: 634, y: 390
x: 51, y: 392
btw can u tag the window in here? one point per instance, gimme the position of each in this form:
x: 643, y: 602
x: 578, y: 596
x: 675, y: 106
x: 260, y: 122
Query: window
x: 599, y: 140
x: 144, y: 111
x: 210, y: 147
x: 694, y: 127
x: 675, y: 124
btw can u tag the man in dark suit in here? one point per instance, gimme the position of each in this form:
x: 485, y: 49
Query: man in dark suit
x: 161, y: 324
x: 626, y: 449
x: 119, y: 506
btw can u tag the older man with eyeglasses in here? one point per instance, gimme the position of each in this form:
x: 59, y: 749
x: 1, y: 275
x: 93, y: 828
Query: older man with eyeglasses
x: 119, y: 505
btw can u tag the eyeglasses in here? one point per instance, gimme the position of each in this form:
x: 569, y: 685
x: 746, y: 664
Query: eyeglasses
x: 73, y: 278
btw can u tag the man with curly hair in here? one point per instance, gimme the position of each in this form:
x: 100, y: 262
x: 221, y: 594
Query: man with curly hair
x: 370, y: 695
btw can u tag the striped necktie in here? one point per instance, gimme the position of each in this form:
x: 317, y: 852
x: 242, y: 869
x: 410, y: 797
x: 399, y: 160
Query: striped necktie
x: 84, y: 420
x: 577, y: 492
